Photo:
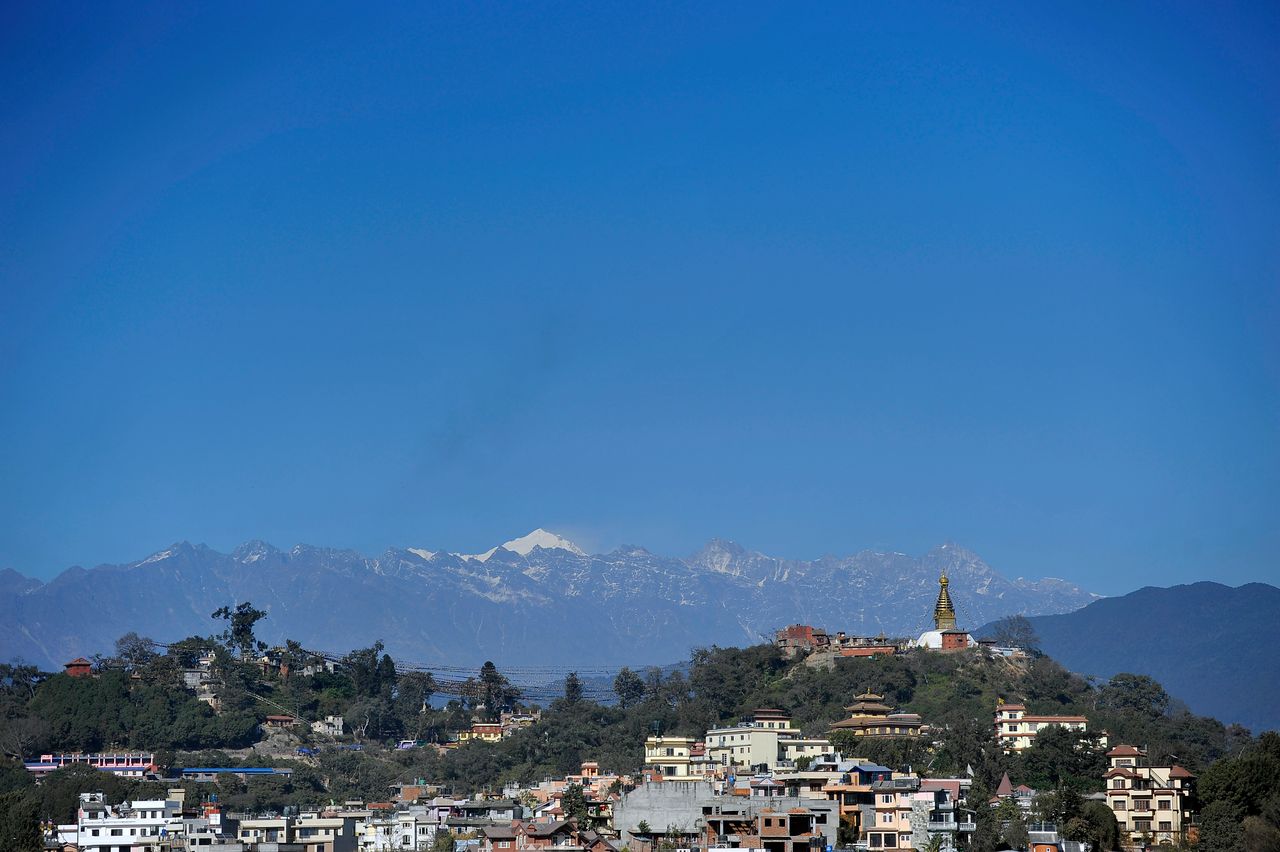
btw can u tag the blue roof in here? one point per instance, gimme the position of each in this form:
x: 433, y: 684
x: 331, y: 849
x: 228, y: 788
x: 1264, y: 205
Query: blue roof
x: 248, y: 770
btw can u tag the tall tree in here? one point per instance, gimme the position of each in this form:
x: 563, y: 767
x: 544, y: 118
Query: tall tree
x: 629, y: 687
x: 19, y: 823
x: 1016, y: 631
x: 572, y: 688
x: 574, y: 804
x: 238, y: 635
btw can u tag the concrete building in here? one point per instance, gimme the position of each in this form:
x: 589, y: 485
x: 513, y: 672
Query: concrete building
x: 1152, y: 804
x: 126, y: 765
x: 671, y: 756
x: 412, y: 829
x: 313, y: 832
x: 1016, y: 729
x: 699, y: 813
x: 766, y: 740
x: 138, y: 826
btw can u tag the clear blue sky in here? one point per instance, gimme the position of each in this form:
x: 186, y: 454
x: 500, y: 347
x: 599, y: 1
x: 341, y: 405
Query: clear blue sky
x: 815, y: 278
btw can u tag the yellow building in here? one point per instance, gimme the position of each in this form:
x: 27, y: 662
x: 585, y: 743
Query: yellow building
x: 671, y: 756
x: 486, y: 732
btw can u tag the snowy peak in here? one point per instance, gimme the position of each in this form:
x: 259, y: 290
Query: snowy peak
x: 546, y: 540
x: 526, y: 543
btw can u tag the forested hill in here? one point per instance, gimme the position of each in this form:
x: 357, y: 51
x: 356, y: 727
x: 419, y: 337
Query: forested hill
x: 135, y: 701
x: 1209, y: 644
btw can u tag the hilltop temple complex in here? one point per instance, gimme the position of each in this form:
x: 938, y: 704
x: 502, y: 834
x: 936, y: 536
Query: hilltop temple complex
x: 945, y: 636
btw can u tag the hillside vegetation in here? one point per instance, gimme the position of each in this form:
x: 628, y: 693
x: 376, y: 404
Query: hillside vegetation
x: 136, y: 702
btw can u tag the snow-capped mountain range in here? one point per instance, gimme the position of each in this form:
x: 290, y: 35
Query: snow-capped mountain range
x: 535, y: 599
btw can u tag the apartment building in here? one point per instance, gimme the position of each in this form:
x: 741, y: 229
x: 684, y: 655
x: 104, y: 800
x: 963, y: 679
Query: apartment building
x: 765, y: 740
x: 671, y: 756
x: 1016, y: 729
x: 1152, y: 804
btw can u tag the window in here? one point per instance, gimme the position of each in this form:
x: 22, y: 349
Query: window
x: 1162, y: 804
x: 1119, y: 805
x: 1165, y: 825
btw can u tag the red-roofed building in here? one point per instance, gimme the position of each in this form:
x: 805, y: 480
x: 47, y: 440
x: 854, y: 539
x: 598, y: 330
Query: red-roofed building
x: 1151, y: 803
x: 1016, y: 729
x: 79, y: 667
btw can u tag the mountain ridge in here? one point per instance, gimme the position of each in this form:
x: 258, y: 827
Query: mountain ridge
x: 1204, y: 641
x: 553, y: 604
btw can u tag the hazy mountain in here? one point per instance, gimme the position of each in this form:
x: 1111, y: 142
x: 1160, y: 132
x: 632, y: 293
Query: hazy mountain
x: 1205, y: 642
x: 536, y: 599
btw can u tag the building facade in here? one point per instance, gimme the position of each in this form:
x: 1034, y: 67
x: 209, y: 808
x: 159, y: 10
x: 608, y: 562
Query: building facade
x: 1152, y: 804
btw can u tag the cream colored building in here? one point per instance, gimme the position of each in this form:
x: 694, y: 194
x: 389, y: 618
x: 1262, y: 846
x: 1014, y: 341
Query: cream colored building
x: 671, y: 756
x: 767, y: 739
x: 314, y: 833
x: 1152, y: 804
x: 1016, y: 730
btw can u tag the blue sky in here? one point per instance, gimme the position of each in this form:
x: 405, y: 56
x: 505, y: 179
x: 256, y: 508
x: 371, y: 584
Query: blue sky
x: 815, y: 279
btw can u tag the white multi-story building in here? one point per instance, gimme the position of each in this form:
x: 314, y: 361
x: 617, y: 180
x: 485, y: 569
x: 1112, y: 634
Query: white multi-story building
x: 412, y: 829
x: 767, y: 739
x: 138, y: 826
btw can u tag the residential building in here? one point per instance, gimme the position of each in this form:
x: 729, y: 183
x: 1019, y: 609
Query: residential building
x: 937, y: 811
x: 761, y: 741
x: 1016, y: 729
x: 671, y: 756
x: 701, y: 815
x: 412, y: 829
x: 138, y: 826
x: 329, y: 726
x: 800, y: 639
x: 889, y: 826
x: 1152, y: 804
x: 488, y: 732
x: 313, y: 832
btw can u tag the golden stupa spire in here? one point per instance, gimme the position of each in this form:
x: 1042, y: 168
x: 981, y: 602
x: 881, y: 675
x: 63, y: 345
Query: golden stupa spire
x: 944, y: 614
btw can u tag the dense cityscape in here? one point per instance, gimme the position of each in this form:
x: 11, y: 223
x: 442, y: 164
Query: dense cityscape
x: 234, y: 746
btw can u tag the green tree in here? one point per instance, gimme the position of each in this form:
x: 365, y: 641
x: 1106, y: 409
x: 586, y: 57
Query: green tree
x: 443, y: 841
x: 135, y: 653
x: 19, y: 823
x: 1015, y: 631
x: 238, y: 635
x: 1133, y: 693
x: 629, y: 687
x: 574, y: 804
x: 572, y: 688
x: 492, y: 691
